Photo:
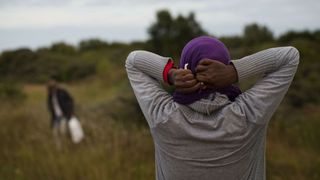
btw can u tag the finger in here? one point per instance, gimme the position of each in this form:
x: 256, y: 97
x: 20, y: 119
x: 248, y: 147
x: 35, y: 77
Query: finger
x: 183, y: 71
x: 186, y: 84
x: 201, y: 68
x: 202, y: 74
x: 205, y: 61
x: 184, y: 76
x: 188, y: 77
x: 190, y: 89
x: 201, y: 78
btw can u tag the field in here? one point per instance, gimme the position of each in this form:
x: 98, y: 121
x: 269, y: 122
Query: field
x: 118, y: 144
x: 112, y: 149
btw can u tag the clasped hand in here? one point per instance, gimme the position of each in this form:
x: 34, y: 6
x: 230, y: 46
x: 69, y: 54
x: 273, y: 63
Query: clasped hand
x: 209, y: 74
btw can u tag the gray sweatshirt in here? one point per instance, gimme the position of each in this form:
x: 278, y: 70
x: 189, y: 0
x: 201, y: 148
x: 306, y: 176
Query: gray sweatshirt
x: 212, y: 138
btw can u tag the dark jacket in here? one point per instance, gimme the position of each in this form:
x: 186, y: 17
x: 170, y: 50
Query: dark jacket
x: 65, y: 102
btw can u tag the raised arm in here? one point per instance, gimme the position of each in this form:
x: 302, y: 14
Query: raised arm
x: 145, y: 71
x: 277, y: 65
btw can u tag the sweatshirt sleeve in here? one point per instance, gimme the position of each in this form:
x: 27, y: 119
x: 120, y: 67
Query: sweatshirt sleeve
x: 145, y: 71
x: 278, y: 67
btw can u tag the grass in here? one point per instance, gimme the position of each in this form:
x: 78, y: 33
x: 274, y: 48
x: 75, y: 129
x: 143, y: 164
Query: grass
x: 293, y: 149
x: 118, y: 143
x: 111, y: 150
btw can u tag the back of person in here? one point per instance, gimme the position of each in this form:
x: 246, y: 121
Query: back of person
x: 213, y: 137
x: 219, y: 145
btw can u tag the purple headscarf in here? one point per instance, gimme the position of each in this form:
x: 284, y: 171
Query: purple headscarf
x: 197, y: 49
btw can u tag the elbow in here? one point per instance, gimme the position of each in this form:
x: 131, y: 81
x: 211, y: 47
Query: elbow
x: 130, y: 59
x: 293, y: 56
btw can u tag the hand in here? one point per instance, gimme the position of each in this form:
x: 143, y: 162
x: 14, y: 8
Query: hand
x: 183, y: 80
x: 215, y: 74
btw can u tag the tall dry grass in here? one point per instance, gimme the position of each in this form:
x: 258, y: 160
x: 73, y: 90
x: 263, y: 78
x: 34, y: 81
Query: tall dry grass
x: 112, y: 149
x: 118, y: 144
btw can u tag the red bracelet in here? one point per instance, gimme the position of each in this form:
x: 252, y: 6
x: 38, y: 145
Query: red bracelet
x: 166, y: 70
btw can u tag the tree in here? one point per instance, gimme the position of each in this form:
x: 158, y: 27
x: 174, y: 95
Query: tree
x: 232, y: 41
x: 160, y: 33
x: 256, y: 34
x: 92, y: 44
x: 17, y: 62
x: 292, y: 35
x: 63, y: 48
x: 168, y: 35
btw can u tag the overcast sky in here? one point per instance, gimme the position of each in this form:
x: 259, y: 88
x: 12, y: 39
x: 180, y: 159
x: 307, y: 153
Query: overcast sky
x: 36, y: 23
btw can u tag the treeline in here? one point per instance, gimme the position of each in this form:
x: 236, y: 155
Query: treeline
x: 167, y: 36
x: 64, y: 61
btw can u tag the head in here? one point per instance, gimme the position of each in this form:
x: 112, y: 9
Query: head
x: 199, y: 48
x: 52, y: 84
x: 203, y: 47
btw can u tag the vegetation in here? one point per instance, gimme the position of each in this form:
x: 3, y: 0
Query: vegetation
x: 168, y: 35
x: 118, y: 144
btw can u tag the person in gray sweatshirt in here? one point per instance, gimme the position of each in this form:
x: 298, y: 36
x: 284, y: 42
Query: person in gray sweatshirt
x: 208, y: 129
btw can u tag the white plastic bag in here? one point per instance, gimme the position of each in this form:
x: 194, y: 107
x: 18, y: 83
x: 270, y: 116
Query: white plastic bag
x: 75, y: 130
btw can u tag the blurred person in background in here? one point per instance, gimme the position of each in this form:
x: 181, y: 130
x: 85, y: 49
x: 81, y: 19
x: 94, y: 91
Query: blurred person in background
x: 208, y: 129
x: 61, y: 107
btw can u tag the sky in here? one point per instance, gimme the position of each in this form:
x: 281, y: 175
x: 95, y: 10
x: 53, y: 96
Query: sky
x: 38, y: 23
